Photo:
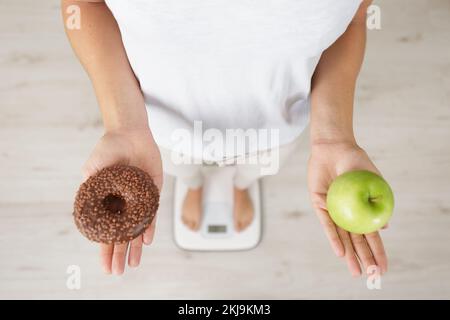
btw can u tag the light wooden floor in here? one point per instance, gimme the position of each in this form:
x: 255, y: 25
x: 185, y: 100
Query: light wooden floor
x: 49, y: 123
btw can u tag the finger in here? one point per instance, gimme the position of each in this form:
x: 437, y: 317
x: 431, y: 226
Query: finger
x: 331, y: 233
x: 103, y: 155
x: 385, y: 226
x: 149, y: 233
x: 362, y: 250
x: 376, y: 245
x: 118, y: 260
x: 350, y: 256
x: 106, y: 252
x: 87, y: 170
x: 134, y: 257
x: 95, y: 164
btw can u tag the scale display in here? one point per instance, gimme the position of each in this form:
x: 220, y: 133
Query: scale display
x: 217, y: 228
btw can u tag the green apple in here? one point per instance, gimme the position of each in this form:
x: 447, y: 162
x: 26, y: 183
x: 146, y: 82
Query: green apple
x: 360, y: 201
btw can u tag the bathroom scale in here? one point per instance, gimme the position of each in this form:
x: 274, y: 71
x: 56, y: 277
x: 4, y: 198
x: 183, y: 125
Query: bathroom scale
x: 217, y: 232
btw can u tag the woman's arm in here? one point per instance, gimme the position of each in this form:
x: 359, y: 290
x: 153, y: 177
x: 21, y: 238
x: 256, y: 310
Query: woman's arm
x: 333, y: 146
x: 98, y: 45
x: 333, y: 84
x: 127, y: 137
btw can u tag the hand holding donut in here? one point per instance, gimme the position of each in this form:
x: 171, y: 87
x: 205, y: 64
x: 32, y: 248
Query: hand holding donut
x: 134, y: 148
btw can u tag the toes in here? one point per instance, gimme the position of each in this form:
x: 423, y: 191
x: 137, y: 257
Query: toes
x: 245, y: 223
x: 186, y: 221
x: 195, y: 224
x: 237, y: 225
x: 248, y: 222
x: 191, y: 210
x: 243, y: 218
x: 242, y: 222
x: 243, y: 210
x: 190, y: 222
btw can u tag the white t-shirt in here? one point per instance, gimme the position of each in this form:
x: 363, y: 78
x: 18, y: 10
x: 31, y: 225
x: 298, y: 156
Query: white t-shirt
x: 231, y: 64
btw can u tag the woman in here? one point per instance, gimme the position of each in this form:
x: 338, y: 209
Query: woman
x: 159, y: 66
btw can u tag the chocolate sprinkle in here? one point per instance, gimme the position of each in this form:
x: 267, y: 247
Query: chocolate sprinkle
x: 116, y: 205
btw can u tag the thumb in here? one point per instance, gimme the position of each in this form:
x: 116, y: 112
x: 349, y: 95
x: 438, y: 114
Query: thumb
x: 88, y: 170
x: 97, y: 162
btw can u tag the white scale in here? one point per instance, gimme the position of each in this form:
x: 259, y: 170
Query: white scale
x: 217, y: 232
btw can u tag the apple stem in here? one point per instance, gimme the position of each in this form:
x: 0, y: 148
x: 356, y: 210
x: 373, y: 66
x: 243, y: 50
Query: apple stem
x: 374, y: 199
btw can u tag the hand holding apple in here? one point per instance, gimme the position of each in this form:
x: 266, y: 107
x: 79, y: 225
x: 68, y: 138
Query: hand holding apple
x: 328, y: 161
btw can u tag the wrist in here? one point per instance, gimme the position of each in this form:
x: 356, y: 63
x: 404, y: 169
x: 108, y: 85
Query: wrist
x: 127, y: 129
x: 137, y: 139
x: 126, y: 120
x: 332, y: 118
x: 332, y: 136
x: 331, y: 150
x: 132, y: 132
x: 123, y: 113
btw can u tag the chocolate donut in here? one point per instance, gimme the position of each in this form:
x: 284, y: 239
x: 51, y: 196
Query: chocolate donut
x: 116, y: 204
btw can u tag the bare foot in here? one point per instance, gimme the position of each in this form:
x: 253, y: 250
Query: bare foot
x: 243, y: 209
x: 192, y: 209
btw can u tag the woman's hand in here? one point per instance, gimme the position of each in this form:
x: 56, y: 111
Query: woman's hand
x: 327, y: 161
x: 134, y: 147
